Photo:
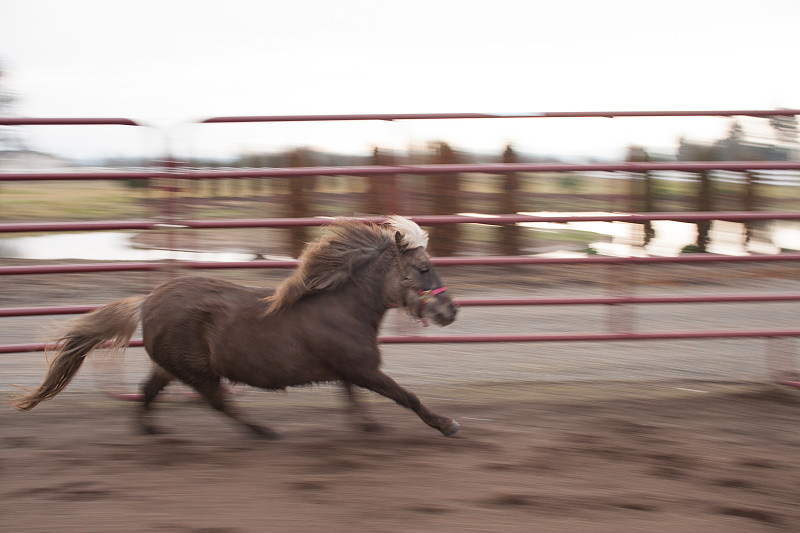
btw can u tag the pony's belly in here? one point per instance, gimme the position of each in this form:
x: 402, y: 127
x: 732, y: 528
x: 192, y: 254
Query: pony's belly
x: 280, y: 384
x: 278, y: 377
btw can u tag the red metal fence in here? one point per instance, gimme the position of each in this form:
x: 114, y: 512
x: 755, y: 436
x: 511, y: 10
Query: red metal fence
x: 180, y: 173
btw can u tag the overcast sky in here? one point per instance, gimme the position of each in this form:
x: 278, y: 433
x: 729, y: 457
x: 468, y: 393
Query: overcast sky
x: 170, y: 62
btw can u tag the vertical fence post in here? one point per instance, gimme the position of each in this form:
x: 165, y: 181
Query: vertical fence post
x: 620, y: 281
x: 299, y: 189
x: 382, y: 194
x: 510, y: 205
x: 641, y: 194
x: 445, y: 190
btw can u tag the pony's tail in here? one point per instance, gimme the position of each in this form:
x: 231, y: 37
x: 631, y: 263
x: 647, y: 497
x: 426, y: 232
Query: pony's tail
x: 114, y: 324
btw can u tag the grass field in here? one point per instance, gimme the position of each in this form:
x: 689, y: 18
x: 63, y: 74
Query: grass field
x: 76, y: 200
x: 336, y: 196
x: 57, y: 200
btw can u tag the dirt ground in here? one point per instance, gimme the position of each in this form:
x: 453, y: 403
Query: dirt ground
x: 621, y: 437
x: 587, y: 458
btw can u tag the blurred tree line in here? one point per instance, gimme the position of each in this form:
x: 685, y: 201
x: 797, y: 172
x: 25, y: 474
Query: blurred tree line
x: 707, y: 194
x: 9, y: 137
x: 382, y: 194
x: 449, y: 193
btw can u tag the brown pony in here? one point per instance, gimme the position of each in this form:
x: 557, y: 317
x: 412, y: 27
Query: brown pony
x: 320, y: 325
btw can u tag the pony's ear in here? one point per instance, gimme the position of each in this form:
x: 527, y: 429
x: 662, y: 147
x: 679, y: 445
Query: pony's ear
x: 398, y: 240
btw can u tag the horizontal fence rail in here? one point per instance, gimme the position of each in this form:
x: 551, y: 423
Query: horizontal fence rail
x: 532, y: 114
x: 55, y: 121
x: 380, y: 170
x: 489, y: 302
x: 65, y: 121
x: 519, y: 338
x: 586, y: 337
x: 438, y: 261
x: 424, y: 220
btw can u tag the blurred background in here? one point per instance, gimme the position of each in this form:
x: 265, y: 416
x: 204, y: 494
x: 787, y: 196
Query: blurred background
x: 168, y: 66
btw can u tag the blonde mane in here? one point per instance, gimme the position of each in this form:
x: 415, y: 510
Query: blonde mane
x: 332, y: 260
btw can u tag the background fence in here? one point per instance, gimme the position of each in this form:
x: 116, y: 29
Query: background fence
x: 384, y: 190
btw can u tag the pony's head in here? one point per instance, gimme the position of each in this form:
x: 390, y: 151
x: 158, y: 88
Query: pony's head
x: 420, y: 291
x: 354, y: 252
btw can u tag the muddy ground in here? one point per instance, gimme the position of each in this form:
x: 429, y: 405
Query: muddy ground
x: 605, y: 437
x: 700, y: 458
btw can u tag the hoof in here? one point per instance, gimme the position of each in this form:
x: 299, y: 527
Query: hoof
x: 450, y: 429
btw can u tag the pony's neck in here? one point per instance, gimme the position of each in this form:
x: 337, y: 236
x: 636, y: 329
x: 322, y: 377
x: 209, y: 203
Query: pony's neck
x: 366, y: 293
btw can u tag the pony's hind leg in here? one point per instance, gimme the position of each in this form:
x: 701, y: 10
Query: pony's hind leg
x: 159, y: 378
x: 379, y: 382
x: 215, y: 394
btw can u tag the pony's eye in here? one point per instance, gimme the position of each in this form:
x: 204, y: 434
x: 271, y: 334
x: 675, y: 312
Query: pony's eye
x: 423, y: 270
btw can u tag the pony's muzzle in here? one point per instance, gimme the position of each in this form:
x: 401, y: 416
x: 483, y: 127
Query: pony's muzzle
x: 441, y: 310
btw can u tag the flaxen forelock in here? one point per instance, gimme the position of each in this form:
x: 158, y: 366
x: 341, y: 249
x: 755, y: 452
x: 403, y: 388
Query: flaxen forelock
x: 413, y: 235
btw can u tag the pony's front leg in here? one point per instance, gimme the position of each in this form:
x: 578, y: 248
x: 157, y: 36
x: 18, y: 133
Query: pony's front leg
x: 358, y: 412
x: 379, y: 382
